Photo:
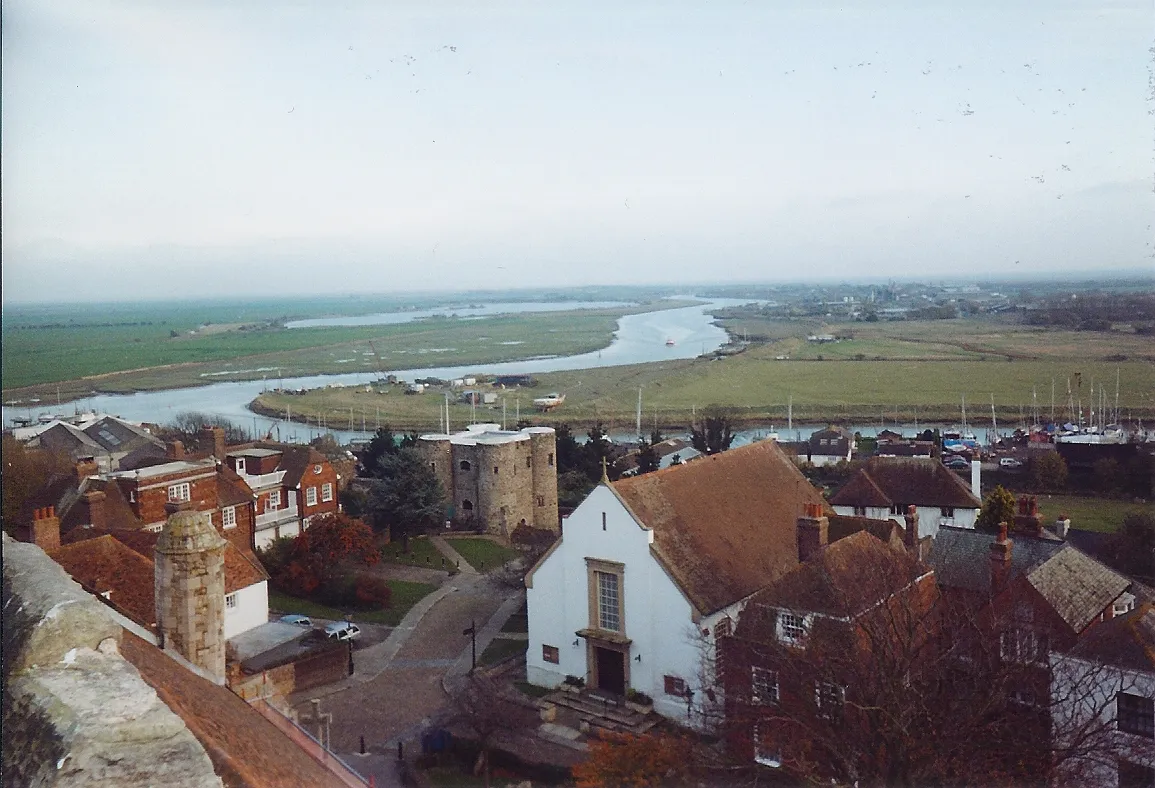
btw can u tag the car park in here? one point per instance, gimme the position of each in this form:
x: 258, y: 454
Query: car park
x: 343, y: 630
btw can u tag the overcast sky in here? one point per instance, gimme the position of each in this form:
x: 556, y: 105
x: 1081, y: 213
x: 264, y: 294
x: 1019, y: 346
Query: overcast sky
x: 199, y: 148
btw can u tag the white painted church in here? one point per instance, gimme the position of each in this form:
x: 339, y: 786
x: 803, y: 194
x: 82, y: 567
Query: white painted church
x: 650, y: 570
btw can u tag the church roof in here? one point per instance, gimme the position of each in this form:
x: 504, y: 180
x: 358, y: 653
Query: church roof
x: 724, y: 525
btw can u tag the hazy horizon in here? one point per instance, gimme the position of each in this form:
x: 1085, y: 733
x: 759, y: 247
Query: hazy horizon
x: 208, y: 150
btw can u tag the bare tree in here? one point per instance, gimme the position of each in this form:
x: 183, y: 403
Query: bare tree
x: 489, y: 714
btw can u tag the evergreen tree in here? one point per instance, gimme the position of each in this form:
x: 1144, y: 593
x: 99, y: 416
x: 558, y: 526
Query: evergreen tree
x: 999, y: 507
x: 405, y: 495
x: 713, y: 432
x: 648, y: 459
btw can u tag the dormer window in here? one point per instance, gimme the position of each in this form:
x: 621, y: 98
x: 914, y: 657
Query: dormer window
x: 240, y: 464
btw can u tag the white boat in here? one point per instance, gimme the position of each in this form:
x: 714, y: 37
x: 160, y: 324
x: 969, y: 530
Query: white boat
x: 669, y: 342
x: 550, y: 401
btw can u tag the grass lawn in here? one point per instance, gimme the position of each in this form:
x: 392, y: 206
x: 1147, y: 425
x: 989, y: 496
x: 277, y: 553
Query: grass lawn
x: 483, y: 554
x: 405, y: 596
x: 518, y: 622
x: 500, y: 648
x: 421, y: 553
x: 1090, y: 514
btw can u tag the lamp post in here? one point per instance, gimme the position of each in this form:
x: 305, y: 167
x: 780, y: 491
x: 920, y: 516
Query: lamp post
x: 472, y: 632
x: 349, y: 620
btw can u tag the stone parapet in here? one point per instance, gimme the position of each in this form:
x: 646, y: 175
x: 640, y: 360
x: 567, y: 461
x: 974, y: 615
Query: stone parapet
x: 75, y: 712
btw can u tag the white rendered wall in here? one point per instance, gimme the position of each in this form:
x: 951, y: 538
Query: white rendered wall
x: 1082, y: 692
x: 658, y: 618
x: 930, y: 518
x: 265, y: 536
x: 252, y: 609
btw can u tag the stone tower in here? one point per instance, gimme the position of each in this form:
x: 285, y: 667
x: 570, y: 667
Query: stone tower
x: 543, y: 446
x: 189, y: 588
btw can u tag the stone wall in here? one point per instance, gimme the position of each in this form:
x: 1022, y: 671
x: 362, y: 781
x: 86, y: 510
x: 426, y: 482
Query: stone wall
x: 75, y: 712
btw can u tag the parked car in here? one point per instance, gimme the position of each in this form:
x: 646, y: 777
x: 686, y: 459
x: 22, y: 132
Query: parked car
x: 343, y: 630
x: 956, y: 463
x: 301, y: 621
x: 1010, y: 462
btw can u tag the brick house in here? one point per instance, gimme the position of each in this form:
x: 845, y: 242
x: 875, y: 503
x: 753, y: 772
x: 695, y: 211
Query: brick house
x: 290, y: 484
x: 831, y: 636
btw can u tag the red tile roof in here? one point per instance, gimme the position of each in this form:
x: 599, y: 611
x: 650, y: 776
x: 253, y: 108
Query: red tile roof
x: 247, y: 750
x: 106, y: 565
x: 724, y: 526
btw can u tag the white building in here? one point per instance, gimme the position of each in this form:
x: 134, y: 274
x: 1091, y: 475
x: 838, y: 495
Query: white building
x: 1103, y: 713
x: 650, y: 570
x: 888, y: 485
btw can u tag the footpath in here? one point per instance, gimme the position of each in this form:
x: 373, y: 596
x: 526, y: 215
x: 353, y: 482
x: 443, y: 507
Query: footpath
x: 400, y: 684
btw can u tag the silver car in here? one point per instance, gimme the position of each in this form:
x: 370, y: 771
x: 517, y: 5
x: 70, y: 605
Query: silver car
x: 343, y: 630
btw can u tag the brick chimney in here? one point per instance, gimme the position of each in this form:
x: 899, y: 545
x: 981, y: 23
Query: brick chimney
x: 174, y: 450
x: 85, y: 467
x: 214, y: 437
x: 94, y: 502
x: 910, y: 536
x: 1000, y: 559
x: 813, y: 532
x: 46, y: 529
x: 1028, y: 520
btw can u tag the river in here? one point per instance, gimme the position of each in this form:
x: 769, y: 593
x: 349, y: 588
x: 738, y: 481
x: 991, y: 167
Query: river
x: 638, y: 339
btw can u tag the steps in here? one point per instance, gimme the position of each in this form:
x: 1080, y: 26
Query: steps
x: 603, y: 713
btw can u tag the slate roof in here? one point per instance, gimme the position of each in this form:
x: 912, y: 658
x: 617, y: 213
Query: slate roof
x: 844, y: 579
x: 1075, y: 585
x: 887, y: 481
x: 64, y: 437
x: 116, y: 435
x: 247, y: 750
x: 724, y: 525
x: 1127, y: 641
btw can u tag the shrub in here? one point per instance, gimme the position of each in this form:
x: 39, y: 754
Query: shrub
x: 373, y: 591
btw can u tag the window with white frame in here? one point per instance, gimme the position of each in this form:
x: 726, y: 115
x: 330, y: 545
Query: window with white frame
x: 791, y: 627
x: 230, y: 601
x: 828, y: 700
x: 240, y: 465
x: 229, y: 517
x: 274, y: 501
x: 310, y: 496
x: 763, y: 686
x: 327, y: 492
x: 609, y: 598
x: 179, y: 492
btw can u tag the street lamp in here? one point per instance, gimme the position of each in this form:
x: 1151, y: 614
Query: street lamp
x: 472, y: 632
x: 349, y: 620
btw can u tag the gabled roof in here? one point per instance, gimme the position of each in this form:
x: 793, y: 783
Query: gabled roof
x: 1126, y: 642
x: 247, y: 750
x: 843, y: 525
x: 73, y: 512
x: 846, y: 578
x: 724, y: 526
x: 64, y: 437
x: 232, y: 490
x: 295, y: 461
x: 122, y: 562
x: 1076, y: 586
x: 905, y: 481
x: 117, y: 435
x: 106, y: 565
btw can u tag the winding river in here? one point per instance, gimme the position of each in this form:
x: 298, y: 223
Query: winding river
x: 639, y: 338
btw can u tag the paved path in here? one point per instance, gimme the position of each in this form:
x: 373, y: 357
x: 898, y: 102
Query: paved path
x: 447, y: 550
x: 400, y: 684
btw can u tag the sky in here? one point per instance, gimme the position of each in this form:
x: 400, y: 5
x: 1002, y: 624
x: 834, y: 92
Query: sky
x: 212, y: 148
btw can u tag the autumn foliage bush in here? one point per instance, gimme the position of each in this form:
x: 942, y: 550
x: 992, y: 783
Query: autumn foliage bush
x: 316, y: 561
x: 623, y: 759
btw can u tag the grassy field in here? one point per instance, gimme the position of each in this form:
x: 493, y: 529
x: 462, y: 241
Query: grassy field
x: 499, y: 649
x: 755, y: 388
x: 405, y: 595
x: 122, y: 354
x: 483, y: 555
x: 1091, y: 514
x: 421, y: 553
